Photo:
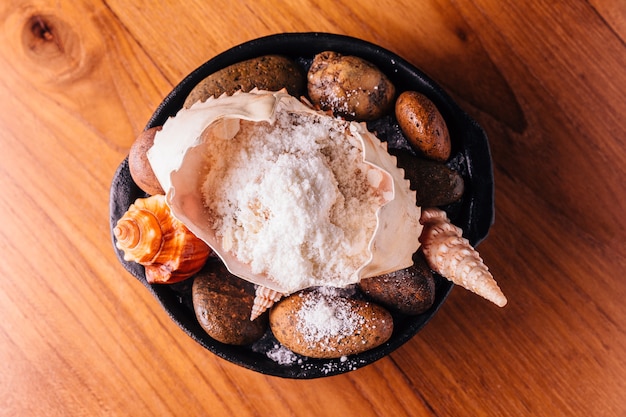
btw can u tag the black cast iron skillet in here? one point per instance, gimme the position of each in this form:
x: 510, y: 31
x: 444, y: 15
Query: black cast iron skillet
x: 470, y: 156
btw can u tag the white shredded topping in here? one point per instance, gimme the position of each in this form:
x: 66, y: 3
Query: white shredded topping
x: 294, y: 199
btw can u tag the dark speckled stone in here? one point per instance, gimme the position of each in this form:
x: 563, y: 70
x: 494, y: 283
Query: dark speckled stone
x: 436, y: 184
x: 222, y: 303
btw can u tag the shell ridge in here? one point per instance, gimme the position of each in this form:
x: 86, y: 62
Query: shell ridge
x: 264, y: 299
x: 396, y: 237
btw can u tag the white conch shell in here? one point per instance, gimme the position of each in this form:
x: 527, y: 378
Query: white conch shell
x: 452, y: 256
x: 178, y: 161
x: 264, y: 299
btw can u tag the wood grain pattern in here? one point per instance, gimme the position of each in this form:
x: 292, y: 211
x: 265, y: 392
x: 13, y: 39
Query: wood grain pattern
x: 546, y: 80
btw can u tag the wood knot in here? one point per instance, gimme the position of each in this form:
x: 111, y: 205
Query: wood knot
x: 53, y: 46
x: 41, y: 37
x: 45, y: 37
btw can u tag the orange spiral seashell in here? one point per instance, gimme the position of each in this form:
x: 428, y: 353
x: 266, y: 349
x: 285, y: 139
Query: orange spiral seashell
x: 149, y: 235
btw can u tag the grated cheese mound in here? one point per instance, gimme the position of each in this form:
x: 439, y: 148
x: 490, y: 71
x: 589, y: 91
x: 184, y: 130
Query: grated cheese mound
x: 294, y: 199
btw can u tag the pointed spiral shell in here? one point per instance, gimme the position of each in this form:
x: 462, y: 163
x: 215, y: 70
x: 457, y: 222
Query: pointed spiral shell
x: 149, y: 235
x: 452, y: 256
x: 264, y: 299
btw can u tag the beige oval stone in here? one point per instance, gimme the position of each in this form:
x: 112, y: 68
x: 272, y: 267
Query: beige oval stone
x: 349, y: 86
x: 319, y: 324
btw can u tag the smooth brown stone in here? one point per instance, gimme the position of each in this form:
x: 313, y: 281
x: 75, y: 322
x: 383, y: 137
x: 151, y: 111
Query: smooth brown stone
x: 269, y: 72
x: 435, y: 183
x: 422, y: 124
x: 371, y: 325
x: 138, y: 164
x: 222, y: 303
x: 408, y: 291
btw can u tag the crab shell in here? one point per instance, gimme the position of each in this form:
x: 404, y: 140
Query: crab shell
x: 178, y: 155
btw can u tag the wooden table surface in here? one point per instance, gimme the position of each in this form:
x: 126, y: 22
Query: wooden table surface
x: 79, y: 336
